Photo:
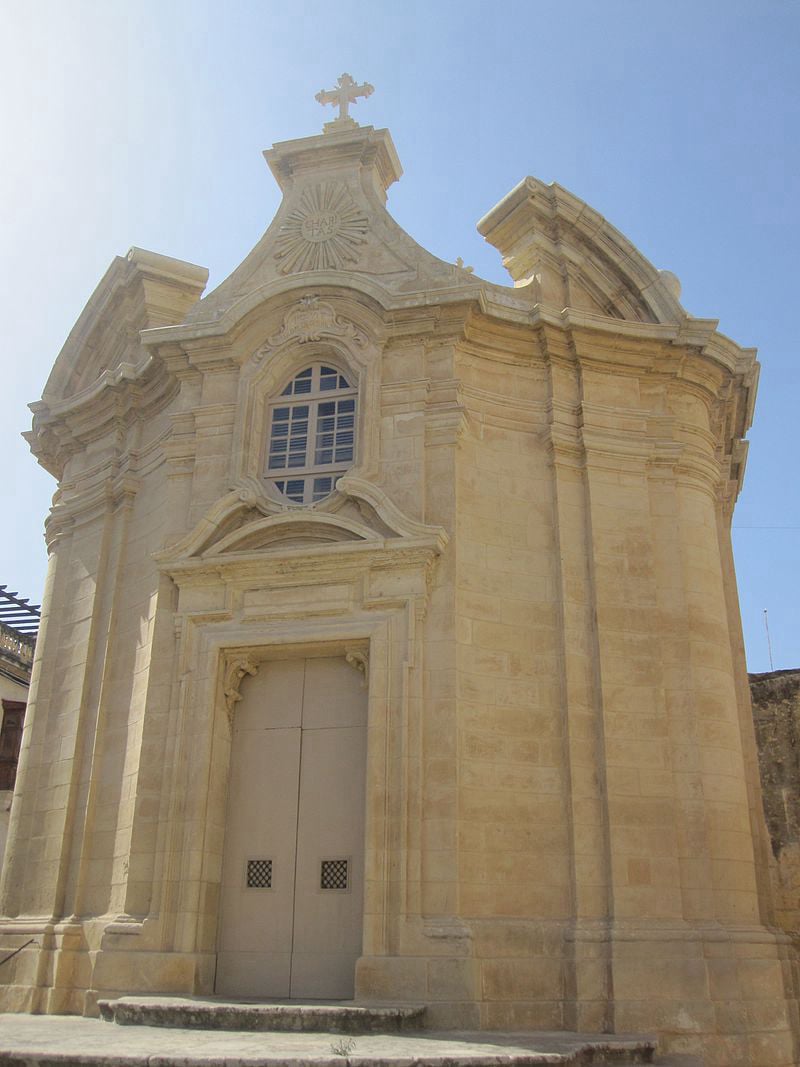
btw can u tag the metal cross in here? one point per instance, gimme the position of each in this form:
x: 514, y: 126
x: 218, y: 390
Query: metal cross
x: 345, y: 94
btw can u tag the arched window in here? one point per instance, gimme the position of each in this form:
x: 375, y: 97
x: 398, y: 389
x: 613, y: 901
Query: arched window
x: 312, y: 428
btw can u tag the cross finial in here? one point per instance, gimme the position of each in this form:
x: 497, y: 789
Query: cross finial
x: 345, y: 94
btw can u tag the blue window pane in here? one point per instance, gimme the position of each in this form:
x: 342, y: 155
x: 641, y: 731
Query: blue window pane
x: 301, y: 384
x: 333, y: 443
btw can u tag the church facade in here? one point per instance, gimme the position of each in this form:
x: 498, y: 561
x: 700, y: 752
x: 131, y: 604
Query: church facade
x: 390, y: 645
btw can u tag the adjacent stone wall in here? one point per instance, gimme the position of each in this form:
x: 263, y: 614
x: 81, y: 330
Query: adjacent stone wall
x: 14, y: 680
x: 776, y: 714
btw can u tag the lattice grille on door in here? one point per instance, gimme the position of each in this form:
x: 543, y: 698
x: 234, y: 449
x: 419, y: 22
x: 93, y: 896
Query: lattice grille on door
x: 334, y: 874
x: 259, y: 874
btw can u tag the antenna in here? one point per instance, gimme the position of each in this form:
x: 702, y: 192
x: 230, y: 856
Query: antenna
x: 769, y: 643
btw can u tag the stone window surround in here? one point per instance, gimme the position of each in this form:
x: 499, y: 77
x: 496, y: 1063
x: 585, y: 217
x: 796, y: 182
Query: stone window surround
x: 262, y: 379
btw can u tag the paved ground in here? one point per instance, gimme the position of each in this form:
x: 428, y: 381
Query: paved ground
x: 42, y: 1040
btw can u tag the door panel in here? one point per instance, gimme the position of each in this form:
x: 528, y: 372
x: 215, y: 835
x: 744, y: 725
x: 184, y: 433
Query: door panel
x: 327, y: 937
x: 296, y: 798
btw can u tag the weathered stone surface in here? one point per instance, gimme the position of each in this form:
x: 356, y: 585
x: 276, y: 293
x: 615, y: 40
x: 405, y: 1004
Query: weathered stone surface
x: 776, y: 714
x: 47, y: 1042
x: 204, y: 1014
x: 528, y: 563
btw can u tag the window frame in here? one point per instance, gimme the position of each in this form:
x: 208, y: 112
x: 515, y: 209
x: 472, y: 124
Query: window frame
x: 309, y: 472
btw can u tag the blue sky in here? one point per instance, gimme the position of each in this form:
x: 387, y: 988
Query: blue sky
x: 143, y: 123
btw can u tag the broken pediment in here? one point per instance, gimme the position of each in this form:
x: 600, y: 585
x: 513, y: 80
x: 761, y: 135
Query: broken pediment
x: 248, y: 522
x: 139, y: 291
x: 568, y: 255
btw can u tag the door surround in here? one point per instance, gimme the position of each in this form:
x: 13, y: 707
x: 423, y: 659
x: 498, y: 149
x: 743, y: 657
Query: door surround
x: 388, y: 721
x: 364, y: 599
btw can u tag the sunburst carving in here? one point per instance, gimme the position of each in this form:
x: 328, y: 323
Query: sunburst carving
x: 323, y: 232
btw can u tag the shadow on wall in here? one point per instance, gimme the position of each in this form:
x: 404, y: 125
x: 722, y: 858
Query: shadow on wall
x: 776, y: 715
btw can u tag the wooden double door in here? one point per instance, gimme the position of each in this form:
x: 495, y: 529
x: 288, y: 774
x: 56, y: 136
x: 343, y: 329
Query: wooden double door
x: 293, y: 869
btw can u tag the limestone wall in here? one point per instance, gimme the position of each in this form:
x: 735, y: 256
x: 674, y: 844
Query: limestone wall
x: 10, y: 689
x: 776, y: 713
x: 529, y: 561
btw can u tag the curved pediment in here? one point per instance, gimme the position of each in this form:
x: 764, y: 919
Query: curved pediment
x: 246, y: 522
x: 277, y: 533
x: 332, y: 222
x: 139, y: 291
x: 572, y: 257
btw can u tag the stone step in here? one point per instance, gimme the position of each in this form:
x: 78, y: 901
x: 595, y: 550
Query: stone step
x: 65, y: 1041
x: 281, y: 1017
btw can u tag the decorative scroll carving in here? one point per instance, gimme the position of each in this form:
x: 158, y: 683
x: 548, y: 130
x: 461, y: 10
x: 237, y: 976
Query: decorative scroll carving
x: 235, y: 670
x: 359, y: 660
x: 323, y: 232
x: 311, y: 320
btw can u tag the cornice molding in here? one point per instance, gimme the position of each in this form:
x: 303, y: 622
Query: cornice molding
x: 336, y: 562
x: 111, y: 493
x: 63, y: 428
